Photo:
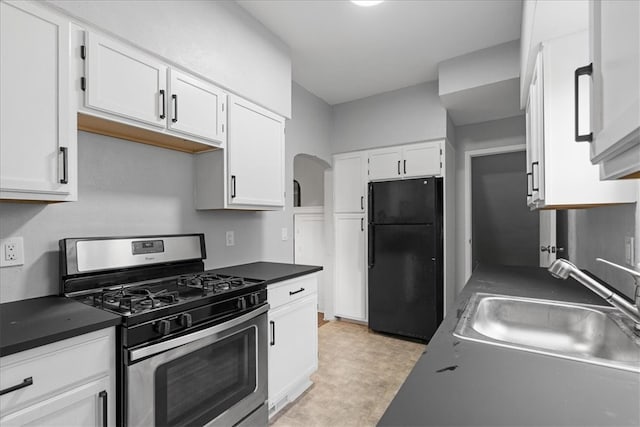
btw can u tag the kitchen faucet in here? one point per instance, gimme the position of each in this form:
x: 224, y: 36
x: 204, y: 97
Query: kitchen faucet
x: 562, y: 269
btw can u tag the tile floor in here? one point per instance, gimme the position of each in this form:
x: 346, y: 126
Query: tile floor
x: 358, y: 375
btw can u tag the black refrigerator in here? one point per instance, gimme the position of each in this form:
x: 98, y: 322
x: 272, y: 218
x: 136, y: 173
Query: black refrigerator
x: 405, y: 257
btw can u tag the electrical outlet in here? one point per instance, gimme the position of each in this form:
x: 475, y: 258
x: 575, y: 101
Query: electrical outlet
x: 629, y: 250
x: 231, y: 240
x: 285, y: 233
x: 11, y: 252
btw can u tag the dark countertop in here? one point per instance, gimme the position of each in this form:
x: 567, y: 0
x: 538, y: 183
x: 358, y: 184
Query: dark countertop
x: 464, y: 383
x: 271, y: 272
x: 34, y: 322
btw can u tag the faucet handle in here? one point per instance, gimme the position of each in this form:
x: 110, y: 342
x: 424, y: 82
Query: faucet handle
x: 635, y: 274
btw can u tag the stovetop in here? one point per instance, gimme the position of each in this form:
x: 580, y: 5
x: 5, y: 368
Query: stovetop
x: 155, y: 295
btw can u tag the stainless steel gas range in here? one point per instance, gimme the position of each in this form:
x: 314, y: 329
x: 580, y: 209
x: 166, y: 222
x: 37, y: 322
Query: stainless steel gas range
x: 192, y: 347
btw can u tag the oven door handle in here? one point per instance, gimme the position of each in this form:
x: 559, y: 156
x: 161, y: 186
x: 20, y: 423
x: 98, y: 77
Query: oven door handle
x: 186, y: 339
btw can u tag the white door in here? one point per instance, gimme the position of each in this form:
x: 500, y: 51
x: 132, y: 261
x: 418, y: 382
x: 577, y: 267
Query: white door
x: 547, y: 237
x: 80, y: 406
x: 293, y: 345
x: 309, y: 246
x: 350, y: 266
x: 196, y: 107
x: 349, y: 181
x: 38, y: 149
x: 385, y: 163
x: 123, y: 81
x: 255, y: 150
x: 422, y: 159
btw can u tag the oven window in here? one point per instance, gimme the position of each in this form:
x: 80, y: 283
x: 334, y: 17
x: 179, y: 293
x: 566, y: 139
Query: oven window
x: 195, y: 388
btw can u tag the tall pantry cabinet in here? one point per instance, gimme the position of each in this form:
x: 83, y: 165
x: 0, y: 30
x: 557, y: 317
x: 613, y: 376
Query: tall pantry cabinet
x: 349, y: 202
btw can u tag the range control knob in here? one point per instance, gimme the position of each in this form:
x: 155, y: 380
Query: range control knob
x: 242, y: 303
x: 185, y: 320
x: 163, y: 327
x: 254, y: 299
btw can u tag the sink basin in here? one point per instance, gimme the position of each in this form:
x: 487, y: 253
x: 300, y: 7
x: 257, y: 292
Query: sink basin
x: 586, y: 333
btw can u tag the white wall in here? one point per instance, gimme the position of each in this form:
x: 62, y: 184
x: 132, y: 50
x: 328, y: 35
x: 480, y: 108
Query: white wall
x: 496, y: 133
x: 405, y: 115
x: 126, y: 188
x: 482, y: 67
x: 309, y: 172
x: 216, y: 39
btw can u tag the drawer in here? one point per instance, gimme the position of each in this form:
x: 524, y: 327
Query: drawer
x: 291, y: 290
x: 55, y: 367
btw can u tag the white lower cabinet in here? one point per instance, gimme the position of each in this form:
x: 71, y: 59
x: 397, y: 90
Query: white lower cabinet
x: 66, y: 383
x: 293, y: 339
x: 350, y: 266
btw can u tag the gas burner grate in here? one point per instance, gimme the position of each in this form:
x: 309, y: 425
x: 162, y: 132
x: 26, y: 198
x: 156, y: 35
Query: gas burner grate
x: 134, y: 300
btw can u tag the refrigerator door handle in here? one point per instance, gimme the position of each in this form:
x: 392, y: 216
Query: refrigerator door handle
x: 370, y: 250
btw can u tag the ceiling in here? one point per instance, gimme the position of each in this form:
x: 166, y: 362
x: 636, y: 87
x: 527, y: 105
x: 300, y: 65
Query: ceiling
x: 341, y: 52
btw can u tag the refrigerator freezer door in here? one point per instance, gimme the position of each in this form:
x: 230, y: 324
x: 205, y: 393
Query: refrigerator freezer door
x: 402, y: 280
x: 411, y: 201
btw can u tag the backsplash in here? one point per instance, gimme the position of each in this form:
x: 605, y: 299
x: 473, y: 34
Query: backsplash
x: 124, y: 188
x: 600, y: 233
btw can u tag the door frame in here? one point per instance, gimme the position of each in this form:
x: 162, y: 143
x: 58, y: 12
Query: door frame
x: 468, y: 156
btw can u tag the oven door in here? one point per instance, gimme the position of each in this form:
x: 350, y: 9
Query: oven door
x: 214, y: 376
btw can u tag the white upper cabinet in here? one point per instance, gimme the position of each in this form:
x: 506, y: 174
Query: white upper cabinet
x: 129, y: 88
x: 614, y: 37
x: 423, y: 159
x: 38, y: 153
x: 350, y: 171
x: 559, y: 172
x: 197, y: 108
x: 407, y: 161
x: 249, y: 173
x: 123, y: 81
x: 255, y: 155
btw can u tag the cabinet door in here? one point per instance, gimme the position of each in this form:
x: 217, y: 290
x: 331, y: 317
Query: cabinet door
x: 197, y: 108
x: 528, y: 150
x: 422, y: 159
x: 349, y: 182
x: 84, y: 405
x: 37, y: 127
x: 123, y: 81
x: 615, y: 113
x: 350, y: 295
x: 255, y: 150
x: 536, y: 146
x: 385, y: 163
x: 293, y: 346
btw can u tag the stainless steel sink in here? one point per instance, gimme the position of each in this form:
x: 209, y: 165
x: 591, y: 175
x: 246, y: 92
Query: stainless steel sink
x: 587, y: 333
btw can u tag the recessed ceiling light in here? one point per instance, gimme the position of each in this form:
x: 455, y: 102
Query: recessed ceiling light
x: 366, y: 3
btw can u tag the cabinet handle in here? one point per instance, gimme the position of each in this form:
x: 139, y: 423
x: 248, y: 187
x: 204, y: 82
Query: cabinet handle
x: 533, y: 180
x: 233, y: 186
x: 105, y: 407
x: 529, y: 181
x: 361, y: 224
x: 582, y: 71
x: 25, y: 383
x: 175, y: 108
x: 405, y: 167
x: 65, y: 165
x: 273, y: 332
x: 296, y: 292
x: 398, y: 167
x: 370, y: 252
x: 163, y: 115
x: 362, y: 202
